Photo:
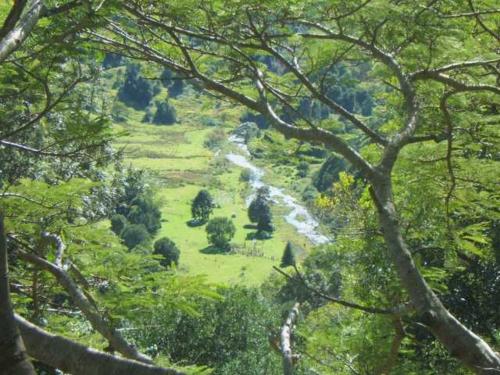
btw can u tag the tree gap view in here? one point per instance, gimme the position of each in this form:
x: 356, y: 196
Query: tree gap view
x: 249, y: 187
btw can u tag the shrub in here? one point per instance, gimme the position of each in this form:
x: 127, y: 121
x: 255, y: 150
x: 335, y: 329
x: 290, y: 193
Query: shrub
x: 134, y: 235
x: 202, y: 206
x: 246, y: 175
x: 118, y: 223
x: 168, y: 250
x: 165, y: 114
x: 303, y: 169
x: 112, y: 60
x: 136, y: 91
x: 220, y: 232
x: 143, y: 210
x: 176, y: 88
x: 215, y: 139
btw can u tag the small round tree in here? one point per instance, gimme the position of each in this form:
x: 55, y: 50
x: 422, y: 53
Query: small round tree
x: 168, y: 250
x: 202, y: 206
x: 220, y: 232
x: 257, y: 206
x: 118, y: 223
x: 134, y: 235
x: 165, y: 114
x: 136, y: 91
x: 288, y: 258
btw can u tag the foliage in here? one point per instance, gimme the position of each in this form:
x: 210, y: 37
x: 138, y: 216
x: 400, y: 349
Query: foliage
x: 112, y: 60
x: 165, y: 114
x: 303, y: 169
x: 118, y: 223
x: 176, y: 88
x: 215, y: 139
x: 168, y: 250
x: 136, y: 91
x: 256, y: 206
x: 220, y: 231
x: 230, y: 335
x: 202, y: 206
x: 259, y: 211
x: 135, y: 234
x: 246, y: 175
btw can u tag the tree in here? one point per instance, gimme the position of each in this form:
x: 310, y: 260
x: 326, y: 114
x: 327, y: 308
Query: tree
x: 416, y: 75
x: 202, y: 206
x: 220, y: 232
x: 135, y: 234
x: 265, y: 222
x: 118, y: 223
x: 165, y: 114
x: 143, y: 210
x: 176, y: 88
x: 288, y: 258
x: 259, y: 211
x: 136, y: 91
x: 258, y: 204
x: 303, y: 169
x: 168, y: 250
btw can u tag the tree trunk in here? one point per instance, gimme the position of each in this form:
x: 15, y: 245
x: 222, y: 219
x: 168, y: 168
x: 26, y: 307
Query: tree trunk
x: 462, y: 343
x: 286, y: 340
x: 13, y: 358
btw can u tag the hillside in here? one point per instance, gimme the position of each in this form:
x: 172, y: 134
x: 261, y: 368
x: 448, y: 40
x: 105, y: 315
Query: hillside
x: 180, y: 166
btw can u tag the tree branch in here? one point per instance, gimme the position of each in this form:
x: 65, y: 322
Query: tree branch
x: 286, y: 340
x: 79, y: 298
x: 371, y: 310
x: 13, y: 39
x: 78, y: 359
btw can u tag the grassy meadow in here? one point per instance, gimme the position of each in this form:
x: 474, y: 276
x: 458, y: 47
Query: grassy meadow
x: 182, y: 166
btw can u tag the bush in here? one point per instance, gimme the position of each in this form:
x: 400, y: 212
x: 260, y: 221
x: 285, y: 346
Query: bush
x: 165, y: 114
x: 176, y: 88
x: 246, y: 175
x: 303, y: 169
x: 118, y: 223
x: 143, y: 210
x: 134, y: 235
x: 136, y: 91
x: 220, y: 232
x: 112, y: 60
x: 202, y: 206
x: 210, y: 121
x: 215, y: 139
x: 168, y: 250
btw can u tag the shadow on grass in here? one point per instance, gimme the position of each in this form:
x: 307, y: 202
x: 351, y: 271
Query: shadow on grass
x: 194, y: 223
x: 262, y: 235
x: 250, y: 226
x: 213, y: 250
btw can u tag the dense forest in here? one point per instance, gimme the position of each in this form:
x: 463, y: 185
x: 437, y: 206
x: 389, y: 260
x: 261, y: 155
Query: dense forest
x: 249, y: 187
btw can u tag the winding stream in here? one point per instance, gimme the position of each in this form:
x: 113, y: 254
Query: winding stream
x: 298, y: 217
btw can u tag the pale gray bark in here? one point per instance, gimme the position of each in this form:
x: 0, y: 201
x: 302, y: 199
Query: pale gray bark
x: 87, y: 307
x: 16, y: 36
x: 286, y: 340
x: 78, y: 359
